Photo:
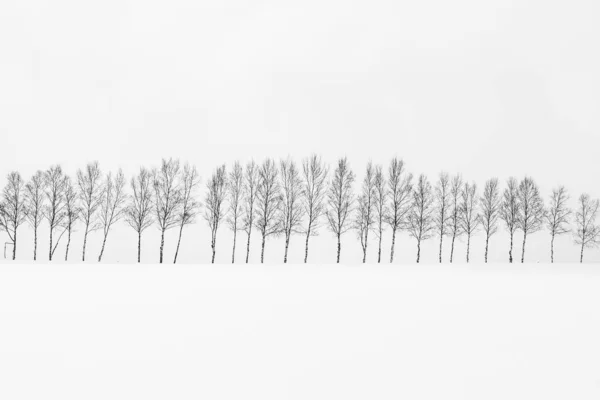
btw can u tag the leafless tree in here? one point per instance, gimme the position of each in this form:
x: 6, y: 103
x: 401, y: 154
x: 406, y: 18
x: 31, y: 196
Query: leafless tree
x: 112, y: 208
x: 340, y: 200
x: 13, y: 209
x: 190, y: 207
x: 400, y: 190
x: 532, y: 210
x: 380, y: 203
x: 454, y: 226
x: 138, y: 213
x: 34, y: 200
x: 235, y: 191
x: 251, y: 182
x: 469, y: 218
x: 89, y: 182
x: 54, y: 211
x: 443, y: 202
x: 557, y: 218
x: 290, y: 216
x: 365, y: 211
x: 510, y: 211
x: 268, y: 202
x: 72, y: 211
x: 215, y: 203
x: 490, y: 211
x: 167, y: 198
x: 421, y: 224
x: 315, y: 191
x: 587, y: 234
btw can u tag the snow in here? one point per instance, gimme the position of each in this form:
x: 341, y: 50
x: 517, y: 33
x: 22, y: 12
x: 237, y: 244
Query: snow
x: 299, y: 332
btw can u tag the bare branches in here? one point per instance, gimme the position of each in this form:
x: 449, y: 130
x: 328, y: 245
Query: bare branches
x: 364, y: 218
x: 510, y: 211
x: 167, y: 198
x: 443, y: 197
x: 190, y: 207
x: 490, y: 211
x: 587, y: 234
x: 315, y: 191
x: 72, y: 211
x: 214, y: 204
x: 292, y: 211
x: 557, y: 217
x: 469, y: 218
x: 235, y: 191
x: 532, y: 214
x: 89, y: 182
x: 112, y: 207
x: 251, y: 182
x: 400, y: 190
x: 138, y: 214
x: 54, y: 211
x: 340, y: 200
x: 420, y: 218
x: 34, y: 204
x: 13, y: 209
x: 269, y: 199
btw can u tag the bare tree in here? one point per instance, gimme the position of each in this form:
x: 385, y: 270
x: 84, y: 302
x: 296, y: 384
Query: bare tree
x: 89, y: 182
x: 56, y: 204
x: 400, y: 190
x: 588, y: 232
x: 269, y: 199
x: 315, y: 191
x: 510, y: 211
x: 112, y: 208
x: 340, y: 200
x: 290, y: 216
x: 13, y: 209
x: 381, y: 210
x: 215, y: 199
x: 235, y: 191
x: 167, y: 198
x: 72, y: 211
x: 251, y: 182
x: 34, y: 200
x: 420, y: 218
x: 490, y: 211
x: 365, y: 211
x: 443, y: 201
x: 532, y: 210
x: 190, y: 207
x: 469, y: 218
x: 454, y: 225
x: 138, y: 213
x: 557, y: 218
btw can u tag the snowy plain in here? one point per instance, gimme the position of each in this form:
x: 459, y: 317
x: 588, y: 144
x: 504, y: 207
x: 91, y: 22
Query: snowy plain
x: 497, y: 331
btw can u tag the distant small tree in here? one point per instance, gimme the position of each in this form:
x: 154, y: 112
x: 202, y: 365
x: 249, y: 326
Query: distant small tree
x: 251, y: 182
x: 34, y: 204
x: 72, y: 211
x: 557, y: 218
x: 290, y: 216
x: 468, y: 213
x: 420, y: 219
x: 315, y: 196
x: 167, y: 198
x: 454, y: 226
x: 89, y: 182
x: 215, y: 205
x: 365, y: 212
x: 54, y: 211
x: 235, y: 192
x: 510, y: 211
x: 400, y: 195
x: 190, y: 207
x: 380, y: 204
x: 532, y: 210
x: 268, y: 202
x: 138, y: 212
x: 443, y: 201
x: 13, y: 209
x: 112, y: 207
x: 340, y: 200
x: 490, y: 211
x: 587, y: 234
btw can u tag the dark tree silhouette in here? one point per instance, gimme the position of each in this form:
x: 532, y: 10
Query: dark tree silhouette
x: 454, y: 227
x: 443, y: 197
x: 138, y: 214
x: 557, y: 218
x: 400, y: 190
x: 214, y: 205
x: 510, y: 211
x: 72, y: 211
x: 490, y: 211
x: 290, y: 217
x: 532, y: 214
x: 54, y: 211
x: 112, y: 207
x: 420, y: 218
x: 235, y: 192
x: 380, y: 203
x: 365, y: 209
x: 13, y: 209
x: 89, y: 182
x: 251, y: 182
x: 34, y: 200
x: 587, y: 234
x: 189, y: 206
x: 167, y: 198
x: 268, y: 202
x: 469, y: 218
x: 340, y: 200
x: 315, y: 192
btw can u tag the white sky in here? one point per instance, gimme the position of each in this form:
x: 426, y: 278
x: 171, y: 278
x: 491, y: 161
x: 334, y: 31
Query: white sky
x: 493, y: 88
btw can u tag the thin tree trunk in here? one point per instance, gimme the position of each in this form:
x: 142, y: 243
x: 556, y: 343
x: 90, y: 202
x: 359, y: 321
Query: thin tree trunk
x: 487, y: 243
x: 510, y: 257
x: 418, y: 251
x: 14, y: 255
x: 139, y: 246
x: 379, y: 252
x: 35, y: 244
x: 552, y: 249
x: 287, y: 244
x: 581, y: 256
x: 213, y: 246
x: 468, y: 246
x: 162, y: 245
x: 233, y: 251
x: 68, y: 244
x: 262, y: 251
x: 441, y: 247
x: 178, y: 243
x: 248, y: 246
x: 452, y: 248
x: 339, y: 248
x: 50, y: 248
x: 306, y: 246
x: 523, y: 251
x: 85, y: 235
x: 102, y: 249
x: 393, y: 244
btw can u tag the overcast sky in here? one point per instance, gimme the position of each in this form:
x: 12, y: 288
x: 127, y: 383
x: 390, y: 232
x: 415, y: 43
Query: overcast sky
x: 494, y: 88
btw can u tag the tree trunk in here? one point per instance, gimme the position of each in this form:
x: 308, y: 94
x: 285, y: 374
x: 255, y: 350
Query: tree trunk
x: 233, y: 251
x: 510, y: 257
x: 14, y: 254
x: 287, y: 244
x: 178, y: 243
x: 452, y: 248
x: 262, y: 251
x: 581, y: 256
x: 306, y: 246
x: 393, y: 244
x: 418, y: 250
x: 487, y: 244
x: 102, y: 249
x: 339, y: 248
x: 468, y: 246
x: 213, y: 245
x: 162, y: 245
x: 552, y: 249
x: 68, y: 244
x: 35, y: 244
x: 248, y: 246
x: 441, y: 247
x: 139, y: 246
x: 50, y: 248
x: 379, y: 252
x: 523, y: 251
x: 85, y: 235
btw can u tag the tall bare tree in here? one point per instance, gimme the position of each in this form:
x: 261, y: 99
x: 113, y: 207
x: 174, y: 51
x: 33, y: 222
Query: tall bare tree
x: 469, y: 218
x: 290, y: 216
x: 340, y: 200
x: 190, y: 207
x: 588, y: 232
x: 510, y: 211
x: 72, y: 211
x: 235, y: 192
x: 454, y: 226
x: 34, y: 200
x: 315, y: 192
x: 443, y: 202
x: 13, y: 209
x: 421, y: 224
x: 112, y: 208
x: 138, y: 213
x: 268, y: 202
x: 89, y: 182
x: 400, y: 190
x: 490, y: 211
x: 365, y: 212
x: 167, y: 198
x: 251, y: 182
x: 215, y: 204
x: 54, y: 211
x: 532, y: 210
x: 557, y: 218
x: 381, y: 209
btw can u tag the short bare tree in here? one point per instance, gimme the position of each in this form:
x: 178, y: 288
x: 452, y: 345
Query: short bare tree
x: 400, y: 195
x: 54, y: 211
x: 421, y: 224
x: 490, y: 211
x: 167, y: 198
x: 13, y: 208
x: 72, y: 211
x: 532, y: 210
x: 315, y: 191
x: 251, y: 182
x: 290, y: 216
x: 365, y: 211
x: 215, y: 205
x: 443, y: 204
x: 557, y: 218
x: 587, y: 234
x: 381, y: 209
x: 268, y: 202
x: 510, y: 211
x: 340, y: 200
x: 34, y: 199
x: 138, y: 213
x: 235, y: 194
x: 454, y: 226
x: 190, y: 207
x: 112, y: 208
x: 469, y: 218
x: 89, y: 182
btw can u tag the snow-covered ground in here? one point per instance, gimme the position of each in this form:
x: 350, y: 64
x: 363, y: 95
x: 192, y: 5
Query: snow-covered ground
x: 299, y: 332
